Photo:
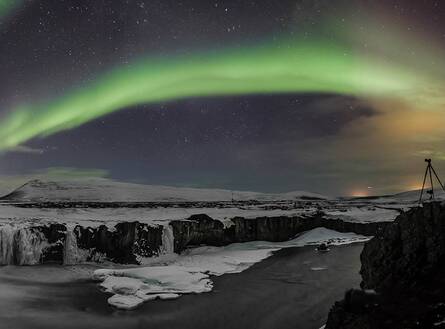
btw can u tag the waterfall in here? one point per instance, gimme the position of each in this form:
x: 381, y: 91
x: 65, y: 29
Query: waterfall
x: 168, y: 240
x: 72, y: 254
x: 70, y: 247
x: 21, y: 246
x: 29, y: 244
x: 6, y: 245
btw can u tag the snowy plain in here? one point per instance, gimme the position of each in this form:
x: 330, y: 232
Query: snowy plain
x: 175, y: 203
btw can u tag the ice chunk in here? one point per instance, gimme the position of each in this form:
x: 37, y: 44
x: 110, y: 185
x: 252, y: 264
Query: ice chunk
x: 169, y: 296
x: 156, y: 279
x: 123, y: 286
x: 125, y: 302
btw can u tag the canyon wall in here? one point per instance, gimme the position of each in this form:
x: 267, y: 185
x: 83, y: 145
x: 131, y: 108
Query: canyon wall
x: 127, y: 242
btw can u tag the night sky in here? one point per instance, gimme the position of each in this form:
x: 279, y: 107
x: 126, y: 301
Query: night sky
x: 337, y: 97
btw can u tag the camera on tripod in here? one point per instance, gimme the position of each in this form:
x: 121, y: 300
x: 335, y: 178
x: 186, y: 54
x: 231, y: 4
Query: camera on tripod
x: 429, y: 171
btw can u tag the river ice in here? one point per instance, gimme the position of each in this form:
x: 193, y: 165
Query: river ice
x: 171, y: 275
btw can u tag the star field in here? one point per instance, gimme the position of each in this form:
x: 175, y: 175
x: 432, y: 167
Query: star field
x: 63, y: 62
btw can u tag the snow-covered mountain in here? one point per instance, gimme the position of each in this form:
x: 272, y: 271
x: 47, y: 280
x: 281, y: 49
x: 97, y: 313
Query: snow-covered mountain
x: 105, y: 190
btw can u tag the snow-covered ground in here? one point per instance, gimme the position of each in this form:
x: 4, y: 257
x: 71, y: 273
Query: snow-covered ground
x: 94, y: 217
x: 167, y: 203
x: 171, y: 275
x: 363, y: 214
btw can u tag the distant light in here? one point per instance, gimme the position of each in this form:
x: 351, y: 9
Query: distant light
x: 415, y: 187
x: 359, y: 193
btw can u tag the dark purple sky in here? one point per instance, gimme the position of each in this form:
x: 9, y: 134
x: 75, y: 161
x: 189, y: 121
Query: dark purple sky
x: 266, y: 143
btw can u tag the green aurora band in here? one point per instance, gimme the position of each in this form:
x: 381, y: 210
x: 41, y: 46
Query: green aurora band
x: 7, y: 5
x: 288, y: 67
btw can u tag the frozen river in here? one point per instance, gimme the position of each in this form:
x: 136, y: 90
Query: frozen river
x: 292, y: 289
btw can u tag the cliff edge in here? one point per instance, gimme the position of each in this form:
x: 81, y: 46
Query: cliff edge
x: 403, y: 276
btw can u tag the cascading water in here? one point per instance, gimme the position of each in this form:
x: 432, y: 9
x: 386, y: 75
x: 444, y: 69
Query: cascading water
x: 21, y: 245
x: 168, y: 240
x: 31, y: 245
x: 6, y: 245
x: 72, y: 254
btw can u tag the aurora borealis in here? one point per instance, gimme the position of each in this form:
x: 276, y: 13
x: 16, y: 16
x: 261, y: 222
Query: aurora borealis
x: 397, y: 75
x: 317, y: 68
x: 6, y: 6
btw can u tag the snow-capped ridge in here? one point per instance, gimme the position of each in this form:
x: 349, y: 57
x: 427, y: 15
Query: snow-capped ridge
x: 106, y: 190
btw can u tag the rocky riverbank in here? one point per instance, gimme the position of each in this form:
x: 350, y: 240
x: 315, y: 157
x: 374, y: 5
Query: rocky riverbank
x: 403, y: 276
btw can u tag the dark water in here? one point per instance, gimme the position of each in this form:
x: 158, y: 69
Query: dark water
x: 292, y: 289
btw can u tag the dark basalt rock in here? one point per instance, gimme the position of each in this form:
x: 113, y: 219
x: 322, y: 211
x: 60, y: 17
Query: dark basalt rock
x: 408, y: 250
x: 405, y: 265
x: 197, y: 230
x: 148, y: 240
x: 55, y: 237
x: 355, y: 302
x: 202, y: 229
x: 269, y: 228
x: 368, y: 228
x: 121, y: 245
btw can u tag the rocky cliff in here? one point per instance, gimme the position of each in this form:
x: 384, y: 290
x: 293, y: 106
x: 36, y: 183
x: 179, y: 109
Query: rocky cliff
x: 403, y: 272
x: 127, y: 242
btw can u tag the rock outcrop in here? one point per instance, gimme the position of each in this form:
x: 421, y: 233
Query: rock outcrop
x: 198, y: 230
x: 403, y: 272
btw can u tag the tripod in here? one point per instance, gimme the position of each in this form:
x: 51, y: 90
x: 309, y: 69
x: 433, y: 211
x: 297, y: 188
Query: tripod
x: 429, y: 171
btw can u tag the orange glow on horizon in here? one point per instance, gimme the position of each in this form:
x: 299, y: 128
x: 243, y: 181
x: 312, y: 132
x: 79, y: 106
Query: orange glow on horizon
x: 416, y: 187
x: 359, y: 193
